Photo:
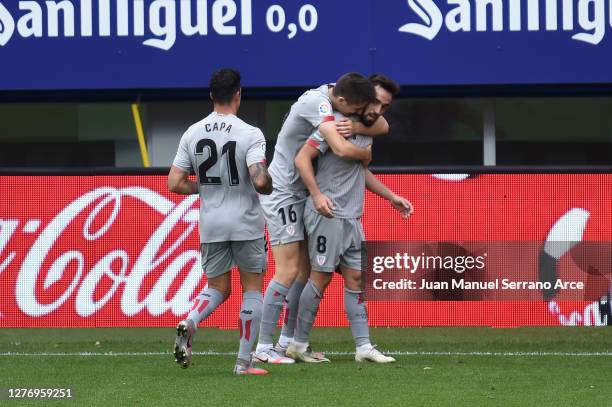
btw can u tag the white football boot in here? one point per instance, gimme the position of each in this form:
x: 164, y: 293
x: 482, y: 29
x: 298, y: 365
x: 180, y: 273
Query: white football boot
x: 183, y: 342
x: 272, y: 356
x: 306, y: 355
x: 373, y: 355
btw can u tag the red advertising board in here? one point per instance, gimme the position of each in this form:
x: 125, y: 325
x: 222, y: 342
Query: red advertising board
x: 106, y: 251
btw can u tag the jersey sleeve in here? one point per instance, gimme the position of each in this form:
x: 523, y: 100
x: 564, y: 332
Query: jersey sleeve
x: 256, y: 152
x: 317, y: 110
x: 317, y: 141
x: 182, y: 159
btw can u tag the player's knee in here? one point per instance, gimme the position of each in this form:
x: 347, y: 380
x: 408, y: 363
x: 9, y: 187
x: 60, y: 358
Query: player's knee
x: 353, y: 281
x: 286, y: 272
x: 226, y: 292
x: 353, y: 285
x: 303, y: 274
x: 224, y: 289
x: 251, y: 281
x: 285, y: 276
x: 320, y: 280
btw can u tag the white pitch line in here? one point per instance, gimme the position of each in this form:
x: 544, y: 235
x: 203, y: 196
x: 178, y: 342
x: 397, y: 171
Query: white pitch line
x: 393, y: 353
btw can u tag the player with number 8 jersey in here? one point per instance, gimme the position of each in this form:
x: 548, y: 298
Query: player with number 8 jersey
x: 284, y: 208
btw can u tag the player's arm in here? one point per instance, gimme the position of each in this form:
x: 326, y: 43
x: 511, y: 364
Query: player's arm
x: 256, y: 163
x: 346, y: 127
x: 179, y: 182
x: 341, y: 147
x: 375, y: 186
x: 261, y: 179
x: 303, y: 163
x: 178, y: 178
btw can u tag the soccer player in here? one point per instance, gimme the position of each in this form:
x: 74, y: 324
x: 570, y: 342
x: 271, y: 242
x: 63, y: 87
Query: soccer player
x: 228, y: 157
x: 385, y: 89
x: 284, y: 208
x: 335, y: 236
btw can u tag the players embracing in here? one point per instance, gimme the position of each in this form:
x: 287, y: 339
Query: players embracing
x: 335, y: 234
x: 353, y: 95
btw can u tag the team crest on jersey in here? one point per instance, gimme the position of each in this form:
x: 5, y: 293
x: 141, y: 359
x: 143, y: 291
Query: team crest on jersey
x: 324, y: 109
x: 321, y: 259
x: 291, y: 230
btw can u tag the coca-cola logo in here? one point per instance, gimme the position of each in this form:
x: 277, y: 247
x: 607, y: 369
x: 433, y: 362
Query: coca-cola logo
x: 102, y: 206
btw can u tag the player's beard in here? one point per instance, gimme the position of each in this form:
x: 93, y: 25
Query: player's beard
x: 369, y: 119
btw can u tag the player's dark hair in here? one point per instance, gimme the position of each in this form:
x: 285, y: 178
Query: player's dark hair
x: 223, y: 85
x: 355, y: 88
x: 386, y: 83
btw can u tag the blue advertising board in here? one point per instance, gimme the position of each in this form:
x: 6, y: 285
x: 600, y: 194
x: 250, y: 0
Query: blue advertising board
x: 173, y: 44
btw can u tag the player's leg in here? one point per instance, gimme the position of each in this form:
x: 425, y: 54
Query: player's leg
x: 324, y: 247
x: 251, y: 258
x: 216, y: 262
x: 299, y: 349
x: 293, y: 299
x: 286, y: 258
x: 286, y: 228
x: 351, y: 265
x: 356, y: 312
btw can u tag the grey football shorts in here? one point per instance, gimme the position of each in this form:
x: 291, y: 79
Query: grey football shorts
x: 333, y: 242
x: 220, y: 257
x: 284, y: 213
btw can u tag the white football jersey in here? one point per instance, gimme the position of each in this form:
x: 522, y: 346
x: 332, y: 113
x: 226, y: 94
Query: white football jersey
x: 220, y: 149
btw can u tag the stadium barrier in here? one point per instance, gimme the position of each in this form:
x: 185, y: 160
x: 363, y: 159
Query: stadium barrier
x: 113, y: 248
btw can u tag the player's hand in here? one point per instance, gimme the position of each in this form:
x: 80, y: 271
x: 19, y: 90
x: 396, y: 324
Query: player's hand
x: 404, y: 206
x: 345, y: 127
x: 323, y: 205
x: 366, y: 161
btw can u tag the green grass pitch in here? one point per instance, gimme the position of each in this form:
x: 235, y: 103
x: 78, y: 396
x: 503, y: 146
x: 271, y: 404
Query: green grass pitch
x: 435, y: 367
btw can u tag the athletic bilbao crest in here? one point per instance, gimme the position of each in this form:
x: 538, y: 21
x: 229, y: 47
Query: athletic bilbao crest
x: 321, y: 259
x: 291, y: 230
